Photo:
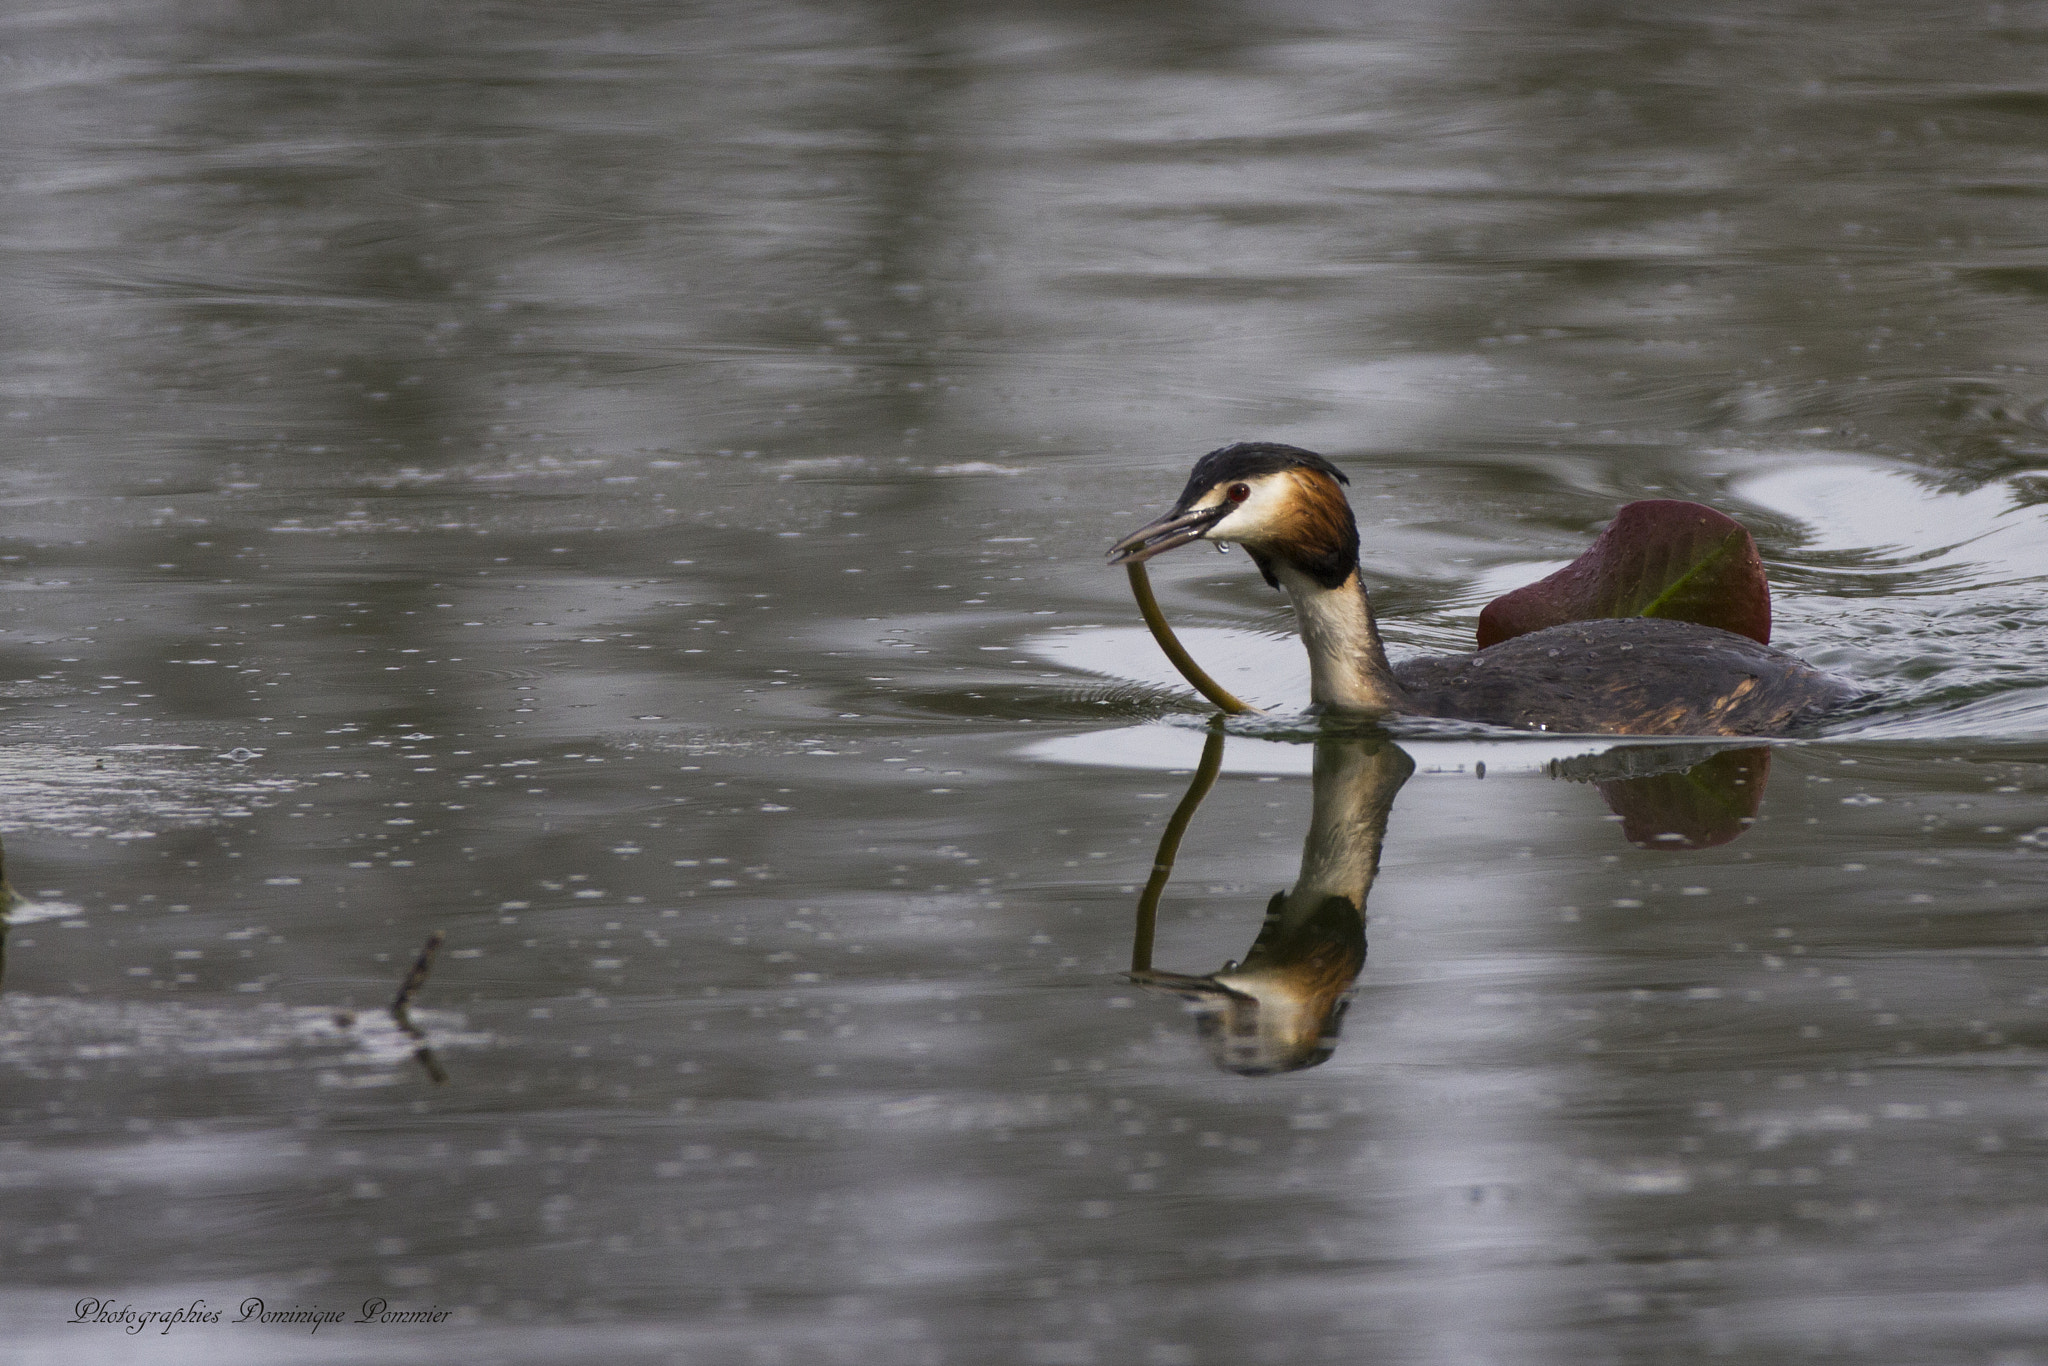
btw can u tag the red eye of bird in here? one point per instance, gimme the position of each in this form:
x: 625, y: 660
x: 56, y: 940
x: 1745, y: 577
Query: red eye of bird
x: 1237, y: 493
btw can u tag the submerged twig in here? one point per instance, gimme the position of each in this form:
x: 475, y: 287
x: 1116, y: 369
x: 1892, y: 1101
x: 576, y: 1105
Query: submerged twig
x: 1148, y: 606
x: 436, y: 1073
x: 401, y: 1007
x: 416, y: 979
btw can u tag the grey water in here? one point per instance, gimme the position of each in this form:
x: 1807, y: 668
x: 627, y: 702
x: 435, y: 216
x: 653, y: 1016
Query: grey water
x: 623, y: 487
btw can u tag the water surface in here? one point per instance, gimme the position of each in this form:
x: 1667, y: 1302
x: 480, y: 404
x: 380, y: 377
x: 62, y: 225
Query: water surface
x: 624, y: 487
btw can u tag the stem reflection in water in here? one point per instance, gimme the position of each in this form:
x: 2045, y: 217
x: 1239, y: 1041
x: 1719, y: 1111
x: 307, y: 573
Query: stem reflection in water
x: 1280, y: 1008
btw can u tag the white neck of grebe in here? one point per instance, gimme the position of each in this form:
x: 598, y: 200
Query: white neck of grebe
x: 1347, y: 663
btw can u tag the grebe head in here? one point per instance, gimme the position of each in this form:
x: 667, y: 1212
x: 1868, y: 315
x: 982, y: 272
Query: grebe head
x: 1281, y: 503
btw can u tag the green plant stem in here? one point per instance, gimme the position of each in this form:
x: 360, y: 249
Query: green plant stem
x: 1141, y: 589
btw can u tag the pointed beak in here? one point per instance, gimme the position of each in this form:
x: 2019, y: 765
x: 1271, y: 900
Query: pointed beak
x: 1174, y: 529
x: 1185, y: 986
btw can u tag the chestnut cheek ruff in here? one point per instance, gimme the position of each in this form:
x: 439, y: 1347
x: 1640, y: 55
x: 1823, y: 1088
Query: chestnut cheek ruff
x: 1322, y: 536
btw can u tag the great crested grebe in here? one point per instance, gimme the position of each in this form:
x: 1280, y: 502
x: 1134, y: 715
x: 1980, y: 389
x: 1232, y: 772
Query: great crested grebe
x: 1613, y: 675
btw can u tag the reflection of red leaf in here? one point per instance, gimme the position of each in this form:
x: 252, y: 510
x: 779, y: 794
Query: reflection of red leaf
x: 1708, y: 804
x: 1658, y: 558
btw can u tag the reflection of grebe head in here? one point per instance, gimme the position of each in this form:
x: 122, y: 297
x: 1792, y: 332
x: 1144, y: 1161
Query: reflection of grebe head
x: 1259, y: 1025
x: 1280, y: 1010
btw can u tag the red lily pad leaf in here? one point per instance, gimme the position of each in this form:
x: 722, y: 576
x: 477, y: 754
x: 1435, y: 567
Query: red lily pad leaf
x: 1661, y: 557
x: 1708, y: 804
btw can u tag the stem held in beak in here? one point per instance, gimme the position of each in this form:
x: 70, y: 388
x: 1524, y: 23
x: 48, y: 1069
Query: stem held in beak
x: 1148, y: 606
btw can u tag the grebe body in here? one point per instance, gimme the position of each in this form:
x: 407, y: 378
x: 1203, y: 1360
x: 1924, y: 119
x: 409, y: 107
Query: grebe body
x: 1612, y: 675
x: 1628, y: 676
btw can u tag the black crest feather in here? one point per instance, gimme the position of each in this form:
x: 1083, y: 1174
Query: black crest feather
x: 1248, y: 460
x: 1328, y: 552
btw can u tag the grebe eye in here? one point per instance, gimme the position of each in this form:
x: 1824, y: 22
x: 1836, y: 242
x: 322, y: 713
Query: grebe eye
x: 1237, y: 493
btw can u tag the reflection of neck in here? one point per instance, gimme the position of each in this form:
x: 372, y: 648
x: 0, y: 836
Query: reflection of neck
x: 1347, y: 664
x: 1355, y: 783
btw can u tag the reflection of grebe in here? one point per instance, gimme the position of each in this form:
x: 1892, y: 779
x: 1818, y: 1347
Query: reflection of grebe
x: 1280, y: 1008
x: 1619, y: 675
